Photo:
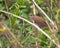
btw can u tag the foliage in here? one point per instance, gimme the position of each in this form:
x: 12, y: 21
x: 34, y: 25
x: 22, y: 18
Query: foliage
x: 25, y: 33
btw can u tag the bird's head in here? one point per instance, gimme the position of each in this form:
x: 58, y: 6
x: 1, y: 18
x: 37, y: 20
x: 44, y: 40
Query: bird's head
x: 31, y: 14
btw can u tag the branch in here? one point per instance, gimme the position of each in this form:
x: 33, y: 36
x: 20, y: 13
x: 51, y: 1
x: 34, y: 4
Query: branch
x: 39, y: 8
x: 39, y: 29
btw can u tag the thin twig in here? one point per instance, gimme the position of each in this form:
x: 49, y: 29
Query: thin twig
x: 43, y: 12
x: 36, y: 44
x: 7, y: 9
x: 53, y: 34
x: 39, y: 29
x: 39, y: 8
x: 34, y: 10
x: 9, y: 40
x: 13, y: 36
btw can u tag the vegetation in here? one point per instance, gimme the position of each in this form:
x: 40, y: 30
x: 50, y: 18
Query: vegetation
x: 17, y: 30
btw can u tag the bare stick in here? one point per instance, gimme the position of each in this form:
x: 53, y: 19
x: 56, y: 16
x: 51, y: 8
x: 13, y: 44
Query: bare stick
x: 39, y: 29
x: 34, y: 10
x: 39, y: 8
x: 43, y: 12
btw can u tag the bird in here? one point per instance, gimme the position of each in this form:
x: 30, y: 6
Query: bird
x: 38, y: 20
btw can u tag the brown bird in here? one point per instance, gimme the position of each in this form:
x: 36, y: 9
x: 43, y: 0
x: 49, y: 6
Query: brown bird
x: 38, y: 20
